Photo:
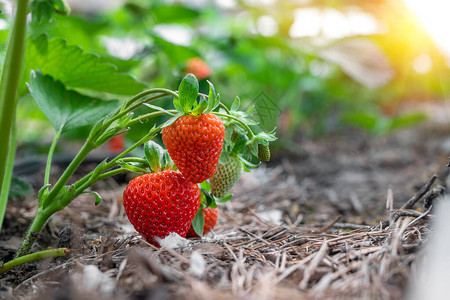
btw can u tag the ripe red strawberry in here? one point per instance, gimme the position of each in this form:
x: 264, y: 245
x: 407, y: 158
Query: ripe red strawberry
x: 198, y: 67
x: 194, y: 144
x: 210, y: 214
x: 160, y: 203
x: 116, y: 144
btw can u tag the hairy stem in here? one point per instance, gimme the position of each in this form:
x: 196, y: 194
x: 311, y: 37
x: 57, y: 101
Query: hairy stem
x: 32, y: 257
x: 130, y: 104
x: 148, y: 116
x: 4, y: 193
x: 84, y: 151
x: 224, y: 107
x: 50, y: 156
x: 33, y: 232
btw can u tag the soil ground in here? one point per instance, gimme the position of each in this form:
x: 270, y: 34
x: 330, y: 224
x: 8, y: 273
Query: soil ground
x: 310, y: 224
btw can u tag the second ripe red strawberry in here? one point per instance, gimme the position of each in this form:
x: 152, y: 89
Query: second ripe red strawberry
x: 194, y: 144
x: 160, y: 203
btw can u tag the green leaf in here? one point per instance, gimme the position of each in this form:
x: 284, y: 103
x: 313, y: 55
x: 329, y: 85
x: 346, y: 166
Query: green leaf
x: 77, y: 69
x: 188, y: 92
x: 407, y: 120
x: 205, y: 185
x: 174, y: 14
x: 201, y: 107
x: 240, y: 144
x: 42, y: 12
x: 42, y: 194
x: 212, y: 91
x: 210, y: 201
x: 213, y: 98
x: 198, y: 222
x: 167, y: 162
x: 224, y: 155
x: 364, y: 120
x: 61, y: 6
x: 172, y: 120
x: 66, y: 109
x: 98, y: 198
x: 19, y: 188
x: 253, y: 148
x: 131, y: 168
x: 236, y: 103
x: 224, y: 199
x: 178, y: 54
x: 246, y: 163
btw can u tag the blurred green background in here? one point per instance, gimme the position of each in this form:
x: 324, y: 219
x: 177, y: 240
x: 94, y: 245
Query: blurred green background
x: 309, y: 67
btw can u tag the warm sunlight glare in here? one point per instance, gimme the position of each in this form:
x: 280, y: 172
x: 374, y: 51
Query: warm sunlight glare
x: 434, y: 15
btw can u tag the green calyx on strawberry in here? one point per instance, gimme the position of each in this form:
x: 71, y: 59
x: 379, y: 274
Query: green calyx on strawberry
x: 156, y: 160
x: 194, y: 137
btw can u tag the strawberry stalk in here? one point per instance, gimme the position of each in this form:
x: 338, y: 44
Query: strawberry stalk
x: 32, y: 257
x: 12, y: 68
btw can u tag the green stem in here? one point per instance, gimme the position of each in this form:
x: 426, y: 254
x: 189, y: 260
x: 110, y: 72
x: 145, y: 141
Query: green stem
x: 32, y: 257
x: 33, y: 232
x: 224, y: 107
x: 143, y: 140
x: 87, y: 180
x: 110, y: 173
x: 84, y: 151
x: 148, y: 92
x: 148, y: 116
x: 4, y: 193
x: 134, y: 159
x: 236, y: 119
x: 50, y: 156
x: 136, y: 105
x: 128, y: 106
x: 9, y: 83
x: 49, y: 206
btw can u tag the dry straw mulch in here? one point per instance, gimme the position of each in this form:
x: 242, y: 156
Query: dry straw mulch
x: 249, y: 256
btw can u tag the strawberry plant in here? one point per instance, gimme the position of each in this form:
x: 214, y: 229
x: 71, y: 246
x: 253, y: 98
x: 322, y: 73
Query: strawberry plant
x: 198, y: 136
x: 165, y: 196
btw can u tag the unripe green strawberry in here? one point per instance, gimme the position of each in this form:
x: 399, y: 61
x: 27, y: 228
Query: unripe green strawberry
x: 263, y: 152
x: 210, y: 215
x: 160, y: 203
x: 226, y: 176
